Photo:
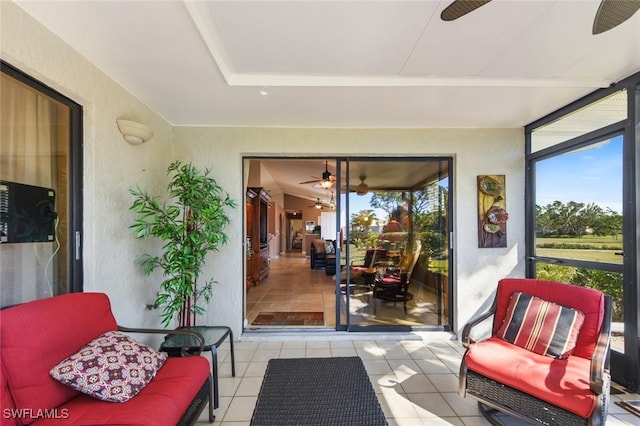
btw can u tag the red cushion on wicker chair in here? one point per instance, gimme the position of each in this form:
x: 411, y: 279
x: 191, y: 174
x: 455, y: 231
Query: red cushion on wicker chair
x: 560, y: 382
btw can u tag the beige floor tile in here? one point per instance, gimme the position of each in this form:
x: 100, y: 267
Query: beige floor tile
x: 444, y: 382
x: 396, y: 406
x: 417, y: 383
x: 228, y: 386
x: 240, y: 409
x: 318, y: 353
x: 256, y: 369
x: 431, y: 405
x: 462, y: 406
x: 343, y: 352
x: 249, y: 386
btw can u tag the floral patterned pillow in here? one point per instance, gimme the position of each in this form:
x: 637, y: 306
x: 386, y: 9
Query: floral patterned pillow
x: 112, y: 367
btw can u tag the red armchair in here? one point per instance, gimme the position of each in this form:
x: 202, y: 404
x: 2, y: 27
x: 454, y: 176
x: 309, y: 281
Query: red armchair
x: 534, y: 383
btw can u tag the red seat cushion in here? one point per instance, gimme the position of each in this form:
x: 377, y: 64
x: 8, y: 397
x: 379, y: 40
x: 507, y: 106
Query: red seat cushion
x: 390, y: 280
x: 162, y: 402
x: 561, y: 382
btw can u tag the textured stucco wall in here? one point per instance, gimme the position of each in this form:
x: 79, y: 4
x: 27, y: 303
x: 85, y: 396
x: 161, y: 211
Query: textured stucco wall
x: 111, y: 167
x: 475, y: 152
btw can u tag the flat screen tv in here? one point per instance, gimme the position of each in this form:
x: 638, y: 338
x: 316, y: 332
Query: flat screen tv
x: 27, y: 213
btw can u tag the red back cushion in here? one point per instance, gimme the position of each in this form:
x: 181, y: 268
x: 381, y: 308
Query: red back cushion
x: 37, y: 335
x: 586, y: 300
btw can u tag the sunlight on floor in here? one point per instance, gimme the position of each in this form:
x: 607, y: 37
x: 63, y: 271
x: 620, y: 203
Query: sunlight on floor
x: 292, y: 286
x: 414, y: 376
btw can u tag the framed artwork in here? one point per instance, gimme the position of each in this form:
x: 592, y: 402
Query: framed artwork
x: 492, y: 211
x: 309, y: 226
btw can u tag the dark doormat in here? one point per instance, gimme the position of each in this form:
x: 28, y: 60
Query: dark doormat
x: 317, y: 391
x: 290, y: 318
x: 632, y: 406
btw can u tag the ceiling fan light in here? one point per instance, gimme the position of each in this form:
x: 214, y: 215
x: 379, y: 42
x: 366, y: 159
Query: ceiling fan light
x: 326, y: 184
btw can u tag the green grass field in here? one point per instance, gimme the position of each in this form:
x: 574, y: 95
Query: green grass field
x: 590, y: 240
x: 591, y: 250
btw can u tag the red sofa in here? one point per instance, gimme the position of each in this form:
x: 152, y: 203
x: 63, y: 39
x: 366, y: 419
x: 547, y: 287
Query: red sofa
x: 572, y: 389
x: 36, y: 336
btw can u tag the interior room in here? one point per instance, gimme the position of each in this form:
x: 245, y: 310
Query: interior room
x: 386, y: 165
x: 391, y: 204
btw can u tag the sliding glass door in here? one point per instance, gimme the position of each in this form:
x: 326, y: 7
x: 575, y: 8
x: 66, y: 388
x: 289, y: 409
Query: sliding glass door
x: 395, y: 257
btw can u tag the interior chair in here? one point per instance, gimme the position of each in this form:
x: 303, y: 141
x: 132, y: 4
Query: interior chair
x: 318, y: 253
x: 395, y: 287
x: 372, y: 257
x: 545, y: 360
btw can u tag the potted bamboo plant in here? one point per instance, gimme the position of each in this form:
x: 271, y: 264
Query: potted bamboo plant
x: 191, y: 224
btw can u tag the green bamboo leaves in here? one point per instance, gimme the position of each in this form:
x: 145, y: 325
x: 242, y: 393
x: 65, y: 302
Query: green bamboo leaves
x: 191, y: 224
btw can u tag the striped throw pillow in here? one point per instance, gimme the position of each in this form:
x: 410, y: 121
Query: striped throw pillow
x: 540, y: 326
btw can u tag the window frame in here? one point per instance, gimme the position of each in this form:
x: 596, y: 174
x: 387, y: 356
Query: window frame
x: 625, y: 367
x: 74, y: 264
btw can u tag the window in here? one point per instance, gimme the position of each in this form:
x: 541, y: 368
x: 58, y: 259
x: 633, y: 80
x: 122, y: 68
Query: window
x: 582, y: 202
x: 40, y: 163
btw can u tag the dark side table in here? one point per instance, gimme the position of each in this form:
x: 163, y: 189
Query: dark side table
x: 213, y: 335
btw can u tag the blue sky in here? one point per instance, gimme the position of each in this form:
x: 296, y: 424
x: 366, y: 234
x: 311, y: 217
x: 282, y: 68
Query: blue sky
x: 590, y: 175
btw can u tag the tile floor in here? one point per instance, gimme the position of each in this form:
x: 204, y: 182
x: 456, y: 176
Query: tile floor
x: 414, y: 376
x: 293, y: 286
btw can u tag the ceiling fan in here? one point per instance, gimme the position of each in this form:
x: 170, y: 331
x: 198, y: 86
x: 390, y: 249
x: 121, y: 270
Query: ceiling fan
x: 327, y: 181
x: 322, y: 205
x: 610, y: 14
x: 319, y: 204
x: 362, y: 188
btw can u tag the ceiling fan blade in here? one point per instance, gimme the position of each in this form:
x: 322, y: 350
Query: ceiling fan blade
x: 310, y: 181
x: 612, y: 13
x: 460, y: 8
x: 318, y: 185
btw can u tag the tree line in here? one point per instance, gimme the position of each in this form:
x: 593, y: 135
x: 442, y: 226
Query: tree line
x: 575, y: 219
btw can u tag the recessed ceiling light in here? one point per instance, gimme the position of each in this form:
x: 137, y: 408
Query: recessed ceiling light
x: 264, y: 93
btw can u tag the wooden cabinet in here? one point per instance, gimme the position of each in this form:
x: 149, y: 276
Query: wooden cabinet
x: 258, y: 235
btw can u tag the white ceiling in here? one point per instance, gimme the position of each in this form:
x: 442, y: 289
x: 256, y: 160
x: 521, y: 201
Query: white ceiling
x: 347, y: 63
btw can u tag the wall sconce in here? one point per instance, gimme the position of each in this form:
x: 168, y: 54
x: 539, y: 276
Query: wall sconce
x: 135, y: 133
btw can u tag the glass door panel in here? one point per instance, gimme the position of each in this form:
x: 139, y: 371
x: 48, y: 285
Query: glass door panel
x: 36, y: 191
x: 395, y: 258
